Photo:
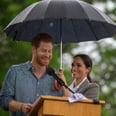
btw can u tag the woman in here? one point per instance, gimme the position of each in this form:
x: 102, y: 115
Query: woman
x: 82, y: 83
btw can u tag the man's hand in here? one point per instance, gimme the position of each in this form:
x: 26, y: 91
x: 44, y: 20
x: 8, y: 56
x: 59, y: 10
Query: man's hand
x: 26, y: 107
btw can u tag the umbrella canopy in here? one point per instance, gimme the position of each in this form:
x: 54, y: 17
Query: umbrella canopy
x: 64, y: 20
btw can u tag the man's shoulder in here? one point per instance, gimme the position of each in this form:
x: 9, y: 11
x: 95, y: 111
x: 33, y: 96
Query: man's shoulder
x: 20, y: 66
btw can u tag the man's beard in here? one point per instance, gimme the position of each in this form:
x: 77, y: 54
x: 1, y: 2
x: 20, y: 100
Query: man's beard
x: 39, y: 61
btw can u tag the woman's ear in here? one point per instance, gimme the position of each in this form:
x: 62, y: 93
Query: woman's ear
x: 88, y: 70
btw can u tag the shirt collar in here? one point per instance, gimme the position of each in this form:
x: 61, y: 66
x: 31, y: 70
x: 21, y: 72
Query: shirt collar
x: 79, y: 83
x: 29, y: 66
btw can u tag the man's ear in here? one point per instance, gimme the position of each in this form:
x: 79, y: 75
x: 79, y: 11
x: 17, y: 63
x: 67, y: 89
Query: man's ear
x: 33, y: 49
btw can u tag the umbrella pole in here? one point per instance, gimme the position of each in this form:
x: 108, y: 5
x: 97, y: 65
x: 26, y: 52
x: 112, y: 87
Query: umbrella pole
x: 61, y: 54
x: 61, y: 44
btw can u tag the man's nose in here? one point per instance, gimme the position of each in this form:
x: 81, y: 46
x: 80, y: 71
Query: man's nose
x: 47, y: 54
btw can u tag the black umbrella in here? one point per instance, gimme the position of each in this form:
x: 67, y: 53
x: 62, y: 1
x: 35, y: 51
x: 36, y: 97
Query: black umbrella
x: 69, y: 20
x: 66, y: 20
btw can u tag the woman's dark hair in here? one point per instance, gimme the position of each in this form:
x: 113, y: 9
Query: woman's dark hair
x: 41, y: 37
x: 88, y: 63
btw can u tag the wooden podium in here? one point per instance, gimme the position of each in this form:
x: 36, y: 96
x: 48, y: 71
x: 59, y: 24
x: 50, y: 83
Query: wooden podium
x: 60, y: 106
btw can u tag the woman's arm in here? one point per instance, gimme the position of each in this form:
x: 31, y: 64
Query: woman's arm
x: 67, y: 93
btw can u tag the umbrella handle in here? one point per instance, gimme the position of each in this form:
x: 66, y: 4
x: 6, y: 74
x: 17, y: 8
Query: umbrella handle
x: 56, y: 85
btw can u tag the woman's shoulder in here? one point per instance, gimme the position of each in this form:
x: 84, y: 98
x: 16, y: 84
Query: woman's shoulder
x: 93, y: 84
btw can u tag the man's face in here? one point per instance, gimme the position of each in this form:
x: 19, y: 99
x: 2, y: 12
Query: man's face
x: 43, y: 54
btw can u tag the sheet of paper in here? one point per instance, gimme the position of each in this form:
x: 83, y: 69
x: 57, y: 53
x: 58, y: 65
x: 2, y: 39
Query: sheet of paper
x: 76, y: 97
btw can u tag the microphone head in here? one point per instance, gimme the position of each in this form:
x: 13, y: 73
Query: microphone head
x: 50, y: 71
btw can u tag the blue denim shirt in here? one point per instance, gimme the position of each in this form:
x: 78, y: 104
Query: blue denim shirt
x: 22, y: 85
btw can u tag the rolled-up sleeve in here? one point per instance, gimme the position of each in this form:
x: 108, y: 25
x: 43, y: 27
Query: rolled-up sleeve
x: 8, y: 88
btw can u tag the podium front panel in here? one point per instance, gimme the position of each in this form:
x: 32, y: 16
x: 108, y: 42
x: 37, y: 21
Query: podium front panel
x: 63, y: 108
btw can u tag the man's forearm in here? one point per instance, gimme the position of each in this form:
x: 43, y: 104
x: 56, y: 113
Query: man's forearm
x: 15, y: 106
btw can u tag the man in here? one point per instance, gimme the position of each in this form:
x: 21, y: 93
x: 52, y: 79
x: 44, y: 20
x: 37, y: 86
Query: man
x: 24, y: 83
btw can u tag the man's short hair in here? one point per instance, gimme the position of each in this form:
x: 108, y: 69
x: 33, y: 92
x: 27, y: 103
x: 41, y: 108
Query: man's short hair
x: 41, y: 37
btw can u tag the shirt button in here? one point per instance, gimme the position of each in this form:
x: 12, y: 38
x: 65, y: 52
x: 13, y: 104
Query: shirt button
x: 38, y: 82
x: 37, y: 95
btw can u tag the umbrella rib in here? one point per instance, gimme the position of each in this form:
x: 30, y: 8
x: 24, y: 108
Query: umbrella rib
x: 91, y: 28
x: 82, y: 9
x: 74, y: 29
x: 29, y: 9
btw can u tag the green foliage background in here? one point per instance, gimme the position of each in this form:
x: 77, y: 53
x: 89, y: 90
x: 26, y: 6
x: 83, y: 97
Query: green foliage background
x: 12, y: 52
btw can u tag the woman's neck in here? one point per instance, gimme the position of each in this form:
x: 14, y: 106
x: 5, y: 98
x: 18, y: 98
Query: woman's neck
x: 78, y: 81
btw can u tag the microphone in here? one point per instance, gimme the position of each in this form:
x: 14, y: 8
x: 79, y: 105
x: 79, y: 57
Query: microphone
x: 51, y: 72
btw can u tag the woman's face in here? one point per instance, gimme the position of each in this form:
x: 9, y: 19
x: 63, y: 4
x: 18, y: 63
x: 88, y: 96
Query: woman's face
x: 79, y: 70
